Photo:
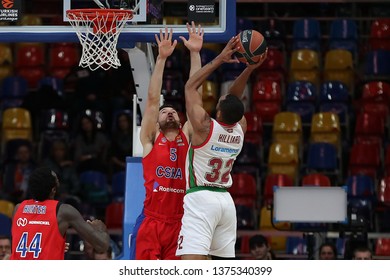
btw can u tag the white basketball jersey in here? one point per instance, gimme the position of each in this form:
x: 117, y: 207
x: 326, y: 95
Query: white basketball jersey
x: 210, y: 164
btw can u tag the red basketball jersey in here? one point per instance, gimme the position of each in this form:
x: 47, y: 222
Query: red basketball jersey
x: 164, y: 174
x: 35, y: 232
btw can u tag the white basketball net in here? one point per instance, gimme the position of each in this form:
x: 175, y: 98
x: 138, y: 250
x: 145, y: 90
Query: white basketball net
x: 98, y: 34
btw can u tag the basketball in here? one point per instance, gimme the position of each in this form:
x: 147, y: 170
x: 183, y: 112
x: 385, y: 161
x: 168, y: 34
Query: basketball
x: 252, y: 44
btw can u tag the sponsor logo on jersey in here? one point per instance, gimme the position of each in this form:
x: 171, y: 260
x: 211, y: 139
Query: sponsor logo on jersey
x: 169, y: 172
x: 41, y: 223
x: 224, y: 150
x: 21, y: 222
x: 170, y: 190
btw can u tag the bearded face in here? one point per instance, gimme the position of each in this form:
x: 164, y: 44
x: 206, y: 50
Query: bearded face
x: 168, y: 119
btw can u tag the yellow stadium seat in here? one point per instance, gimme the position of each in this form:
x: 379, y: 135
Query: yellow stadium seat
x: 287, y: 128
x: 339, y: 67
x: 209, y: 96
x: 304, y: 59
x: 325, y: 127
x: 284, y: 159
x: 305, y: 66
x: 5, y: 54
x: 277, y: 243
x: 16, y: 124
x: 5, y: 71
x: 6, y: 207
x: 30, y: 19
x: 213, y: 46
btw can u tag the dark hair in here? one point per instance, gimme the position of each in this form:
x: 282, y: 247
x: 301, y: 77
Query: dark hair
x: 257, y: 240
x: 362, y: 248
x: 2, y: 237
x: 41, y: 182
x: 168, y: 105
x: 332, y: 246
x: 232, y: 109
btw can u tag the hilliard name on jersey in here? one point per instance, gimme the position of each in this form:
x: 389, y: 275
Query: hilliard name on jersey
x: 225, y: 138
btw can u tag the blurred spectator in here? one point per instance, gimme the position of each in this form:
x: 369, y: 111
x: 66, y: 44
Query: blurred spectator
x: 362, y: 253
x: 328, y: 251
x: 259, y: 248
x: 90, y: 147
x: 121, y: 142
x: 5, y: 247
x: 59, y: 162
x: 16, y: 172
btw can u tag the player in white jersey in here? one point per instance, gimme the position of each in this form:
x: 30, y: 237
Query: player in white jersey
x: 209, y: 223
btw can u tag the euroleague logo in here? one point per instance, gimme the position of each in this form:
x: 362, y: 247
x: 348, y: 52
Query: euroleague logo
x: 7, y: 4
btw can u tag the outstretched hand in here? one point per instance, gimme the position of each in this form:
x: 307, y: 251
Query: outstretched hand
x: 229, y: 50
x: 165, y: 44
x: 195, y: 40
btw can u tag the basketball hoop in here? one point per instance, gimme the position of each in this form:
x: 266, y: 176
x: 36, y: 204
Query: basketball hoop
x: 98, y: 31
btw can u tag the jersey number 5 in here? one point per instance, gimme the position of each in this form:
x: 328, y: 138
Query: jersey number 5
x: 220, y: 170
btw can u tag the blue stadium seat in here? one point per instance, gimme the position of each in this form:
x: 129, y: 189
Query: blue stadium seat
x: 118, y: 185
x: 56, y: 83
x: 301, y: 98
x: 14, y: 87
x: 344, y: 35
x: 360, y: 186
x: 334, y: 97
x: 306, y: 34
x: 323, y: 157
x: 296, y: 245
x: 376, y: 66
x: 5, y: 225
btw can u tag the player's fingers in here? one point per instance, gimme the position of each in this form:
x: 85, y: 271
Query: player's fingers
x: 183, y: 39
x: 157, y: 39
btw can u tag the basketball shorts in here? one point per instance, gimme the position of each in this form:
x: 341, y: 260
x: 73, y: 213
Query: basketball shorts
x: 157, y: 240
x: 209, y: 225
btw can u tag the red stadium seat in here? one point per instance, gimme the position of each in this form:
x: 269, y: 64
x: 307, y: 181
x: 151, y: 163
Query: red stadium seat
x: 267, y: 99
x: 254, y: 132
x: 370, y: 127
x: 62, y: 57
x: 382, y: 247
x: 244, y: 184
x: 379, y: 37
x: 365, y: 159
x: 275, y: 180
x: 30, y: 55
x: 316, y: 179
x: 114, y: 215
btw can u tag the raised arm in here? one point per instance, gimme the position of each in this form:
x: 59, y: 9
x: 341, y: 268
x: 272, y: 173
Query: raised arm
x: 194, y: 45
x: 197, y: 115
x: 149, y: 119
x: 238, y: 86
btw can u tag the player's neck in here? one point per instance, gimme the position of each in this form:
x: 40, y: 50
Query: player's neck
x: 170, y: 134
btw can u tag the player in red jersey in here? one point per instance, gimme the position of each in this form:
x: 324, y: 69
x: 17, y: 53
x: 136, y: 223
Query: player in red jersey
x: 165, y: 146
x: 39, y: 224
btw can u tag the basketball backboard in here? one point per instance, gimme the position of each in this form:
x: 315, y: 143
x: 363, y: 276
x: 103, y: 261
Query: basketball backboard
x: 174, y: 13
